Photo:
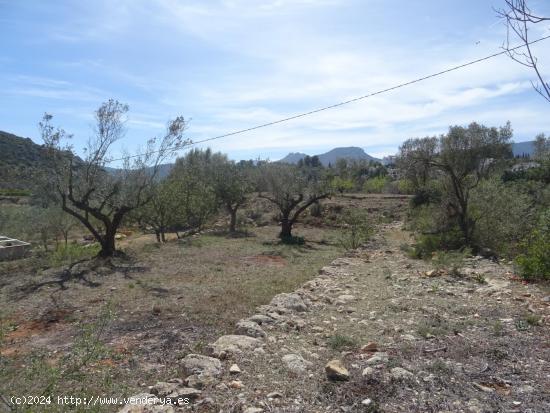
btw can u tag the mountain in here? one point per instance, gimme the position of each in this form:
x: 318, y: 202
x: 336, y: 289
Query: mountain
x: 330, y: 157
x: 20, y: 159
x: 522, y: 149
x: 293, y: 157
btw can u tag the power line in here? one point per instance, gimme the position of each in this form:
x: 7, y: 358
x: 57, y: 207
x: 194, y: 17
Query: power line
x: 346, y: 102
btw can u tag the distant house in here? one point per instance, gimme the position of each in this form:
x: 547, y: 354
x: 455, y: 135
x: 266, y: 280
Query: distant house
x: 523, y: 166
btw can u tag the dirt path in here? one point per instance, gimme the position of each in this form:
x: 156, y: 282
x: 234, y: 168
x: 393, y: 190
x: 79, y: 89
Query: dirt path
x: 475, y: 343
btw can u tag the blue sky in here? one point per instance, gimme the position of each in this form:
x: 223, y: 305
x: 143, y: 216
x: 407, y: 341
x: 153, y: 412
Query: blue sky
x: 232, y: 64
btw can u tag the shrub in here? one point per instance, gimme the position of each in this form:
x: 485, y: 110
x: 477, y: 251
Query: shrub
x: 376, y: 185
x: 534, y: 262
x: 492, y: 204
x: 67, y: 254
x: 427, y: 244
x: 293, y: 240
x: 340, y: 342
x: 356, y: 230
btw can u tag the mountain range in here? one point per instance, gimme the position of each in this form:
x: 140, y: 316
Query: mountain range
x: 330, y: 157
x: 21, y: 158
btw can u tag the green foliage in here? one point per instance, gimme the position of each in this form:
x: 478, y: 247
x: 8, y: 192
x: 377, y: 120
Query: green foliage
x: 427, y: 244
x: 356, y: 229
x: 340, y: 342
x: 293, y: 240
x: 376, y: 185
x: 67, y: 254
x: 450, y: 261
x: 341, y: 184
x: 534, y: 261
x: 14, y: 192
x: 492, y: 204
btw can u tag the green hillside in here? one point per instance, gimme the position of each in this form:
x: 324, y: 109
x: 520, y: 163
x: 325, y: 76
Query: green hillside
x: 20, y: 159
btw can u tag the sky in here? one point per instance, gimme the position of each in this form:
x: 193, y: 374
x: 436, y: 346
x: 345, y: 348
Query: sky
x: 227, y: 65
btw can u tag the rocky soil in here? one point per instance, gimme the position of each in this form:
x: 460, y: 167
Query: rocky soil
x: 379, y: 332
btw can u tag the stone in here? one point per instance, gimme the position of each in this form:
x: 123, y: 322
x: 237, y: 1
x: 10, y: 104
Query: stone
x: 201, y: 365
x: 236, y: 384
x: 378, y: 358
x: 185, y: 393
x: 253, y: 410
x: 234, y: 369
x: 368, y: 372
x: 366, y: 402
x: 250, y: 328
x: 345, y: 298
x: 296, y: 363
x: 399, y: 373
x: 292, y: 302
x: 274, y: 395
x: 232, y: 344
x: 163, y: 389
x: 335, y: 370
x: 370, y: 347
x: 261, y: 319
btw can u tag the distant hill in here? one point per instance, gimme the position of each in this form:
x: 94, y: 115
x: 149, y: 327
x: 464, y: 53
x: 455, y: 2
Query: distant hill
x: 20, y: 159
x: 523, y: 149
x: 330, y: 157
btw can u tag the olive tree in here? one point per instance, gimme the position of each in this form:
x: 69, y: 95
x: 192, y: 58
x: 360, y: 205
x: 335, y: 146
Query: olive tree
x: 232, y: 185
x: 461, y: 159
x: 292, y: 191
x: 195, y: 193
x: 85, y: 189
x: 163, y: 212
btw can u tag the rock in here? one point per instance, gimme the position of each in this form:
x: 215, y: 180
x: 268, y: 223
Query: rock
x: 366, y: 402
x: 378, y: 358
x: 234, y: 369
x: 232, y: 344
x: 345, y: 298
x: 185, y: 393
x: 431, y: 273
x: 236, y: 384
x: 296, y: 363
x: 335, y: 370
x: 399, y: 373
x: 368, y: 372
x: 370, y: 347
x: 199, y: 381
x: 292, y: 302
x: 483, y: 388
x: 274, y: 395
x: 163, y: 389
x: 250, y: 328
x: 201, y: 365
x: 261, y: 319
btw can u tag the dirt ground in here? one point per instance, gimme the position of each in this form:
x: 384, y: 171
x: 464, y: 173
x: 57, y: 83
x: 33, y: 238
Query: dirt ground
x: 477, y: 342
x: 474, y: 342
x: 163, y: 302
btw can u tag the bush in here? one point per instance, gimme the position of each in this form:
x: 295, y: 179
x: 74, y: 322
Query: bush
x: 534, y: 262
x: 427, y: 244
x: 67, y: 254
x: 376, y: 185
x: 293, y: 240
x: 492, y: 204
x: 356, y: 230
